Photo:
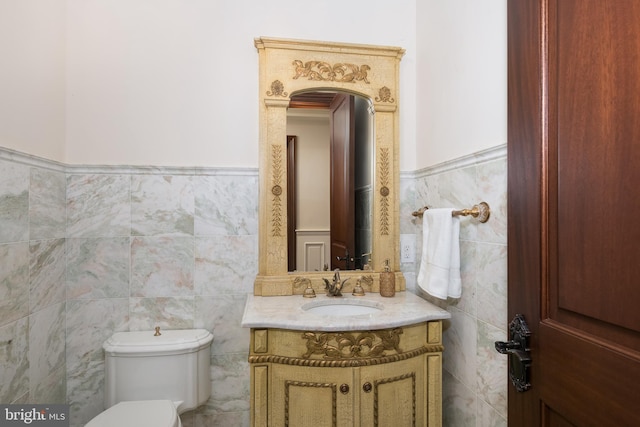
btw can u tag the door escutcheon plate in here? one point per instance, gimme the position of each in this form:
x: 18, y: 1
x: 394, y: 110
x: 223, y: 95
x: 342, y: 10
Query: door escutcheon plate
x: 517, y: 348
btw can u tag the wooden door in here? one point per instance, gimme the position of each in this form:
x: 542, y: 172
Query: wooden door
x: 342, y: 216
x: 573, y: 208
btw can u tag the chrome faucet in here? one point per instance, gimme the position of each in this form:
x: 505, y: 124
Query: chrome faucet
x: 333, y: 288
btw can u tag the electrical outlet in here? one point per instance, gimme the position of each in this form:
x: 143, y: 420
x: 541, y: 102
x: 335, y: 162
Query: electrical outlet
x: 407, y: 248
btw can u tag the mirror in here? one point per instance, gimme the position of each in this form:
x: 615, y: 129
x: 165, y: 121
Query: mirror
x: 322, y: 236
x: 290, y: 67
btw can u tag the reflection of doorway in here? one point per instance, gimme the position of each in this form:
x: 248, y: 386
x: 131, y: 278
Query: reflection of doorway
x: 308, y: 119
x: 342, y: 143
x: 291, y: 201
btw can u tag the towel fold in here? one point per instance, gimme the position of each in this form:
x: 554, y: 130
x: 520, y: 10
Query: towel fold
x: 439, y: 272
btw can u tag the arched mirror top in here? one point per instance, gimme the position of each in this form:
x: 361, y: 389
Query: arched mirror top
x: 289, y: 67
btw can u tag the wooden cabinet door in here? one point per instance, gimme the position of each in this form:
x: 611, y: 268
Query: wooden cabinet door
x: 393, y: 394
x: 302, y: 396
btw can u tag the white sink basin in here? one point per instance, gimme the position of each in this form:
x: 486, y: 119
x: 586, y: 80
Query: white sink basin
x: 343, y: 307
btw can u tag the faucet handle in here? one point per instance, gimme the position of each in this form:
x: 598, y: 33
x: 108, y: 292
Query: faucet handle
x: 358, y: 290
x: 309, y: 292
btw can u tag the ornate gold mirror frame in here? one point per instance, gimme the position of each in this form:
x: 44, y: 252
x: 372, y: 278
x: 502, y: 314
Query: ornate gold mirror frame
x: 291, y: 66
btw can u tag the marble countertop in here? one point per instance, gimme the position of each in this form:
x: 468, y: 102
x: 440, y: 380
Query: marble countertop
x: 286, y: 312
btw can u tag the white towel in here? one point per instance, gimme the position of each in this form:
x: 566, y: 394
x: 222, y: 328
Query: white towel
x: 440, y: 262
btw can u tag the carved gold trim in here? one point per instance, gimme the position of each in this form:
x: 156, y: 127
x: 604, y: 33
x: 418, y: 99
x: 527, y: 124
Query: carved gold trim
x: 334, y: 398
x: 344, y: 363
x: 276, y: 190
x: 277, y: 89
x: 384, y: 95
x: 323, y: 71
x: 377, y: 383
x: 384, y: 190
x: 348, y: 345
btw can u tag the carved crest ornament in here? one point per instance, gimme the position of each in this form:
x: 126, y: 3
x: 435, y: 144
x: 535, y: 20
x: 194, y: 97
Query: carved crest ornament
x: 384, y: 95
x: 277, y: 89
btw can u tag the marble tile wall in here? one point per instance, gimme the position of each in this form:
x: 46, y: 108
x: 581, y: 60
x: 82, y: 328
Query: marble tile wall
x: 32, y: 287
x: 87, y: 251
x: 475, y: 375
x: 175, y: 248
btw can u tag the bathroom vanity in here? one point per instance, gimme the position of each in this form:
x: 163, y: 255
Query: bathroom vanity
x: 356, y: 361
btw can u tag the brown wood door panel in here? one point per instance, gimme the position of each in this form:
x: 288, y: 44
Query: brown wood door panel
x: 292, y: 197
x: 553, y: 419
x: 342, y: 124
x: 574, y: 169
x: 592, y: 65
x: 588, y: 383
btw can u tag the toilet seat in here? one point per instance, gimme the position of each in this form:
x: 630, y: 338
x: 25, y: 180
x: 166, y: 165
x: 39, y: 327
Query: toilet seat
x: 139, y: 413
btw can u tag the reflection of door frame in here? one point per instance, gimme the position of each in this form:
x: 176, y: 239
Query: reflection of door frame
x: 342, y: 200
x: 361, y: 123
x: 291, y: 201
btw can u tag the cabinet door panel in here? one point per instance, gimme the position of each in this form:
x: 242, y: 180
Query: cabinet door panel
x: 397, y: 397
x: 311, y: 397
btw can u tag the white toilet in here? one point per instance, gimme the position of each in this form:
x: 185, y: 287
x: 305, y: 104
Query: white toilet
x: 150, y: 380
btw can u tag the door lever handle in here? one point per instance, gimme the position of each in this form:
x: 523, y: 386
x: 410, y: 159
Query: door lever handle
x: 518, y: 350
x: 506, y: 347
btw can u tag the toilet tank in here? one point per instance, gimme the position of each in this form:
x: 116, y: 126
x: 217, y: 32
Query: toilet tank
x: 174, y: 366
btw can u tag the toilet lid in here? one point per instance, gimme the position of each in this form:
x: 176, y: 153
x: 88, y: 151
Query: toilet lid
x: 140, y: 413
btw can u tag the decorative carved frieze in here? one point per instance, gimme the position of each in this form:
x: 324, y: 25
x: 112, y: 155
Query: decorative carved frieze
x: 351, y: 345
x: 323, y: 71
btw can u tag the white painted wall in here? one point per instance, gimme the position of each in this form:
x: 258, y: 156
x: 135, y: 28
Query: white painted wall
x: 32, y: 77
x: 313, y: 173
x: 462, y: 75
x: 166, y: 82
